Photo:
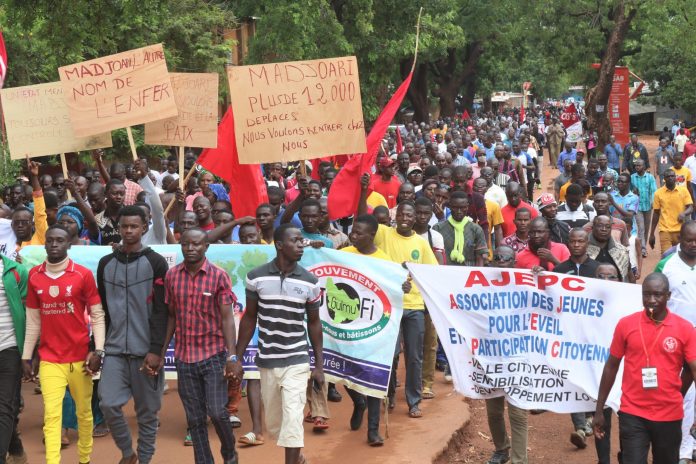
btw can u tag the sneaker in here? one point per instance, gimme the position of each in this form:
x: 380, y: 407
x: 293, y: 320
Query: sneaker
x: 578, y: 439
x: 235, y: 421
x: 166, y: 388
x: 499, y: 457
x: 589, y: 430
x: 187, y: 440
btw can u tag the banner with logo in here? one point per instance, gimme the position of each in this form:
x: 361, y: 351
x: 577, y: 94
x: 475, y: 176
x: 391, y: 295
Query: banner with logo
x: 539, y: 340
x: 360, y: 310
x: 572, y: 124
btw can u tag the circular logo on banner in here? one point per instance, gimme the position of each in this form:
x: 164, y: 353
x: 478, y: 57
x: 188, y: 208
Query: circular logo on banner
x: 356, y: 306
x: 669, y: 344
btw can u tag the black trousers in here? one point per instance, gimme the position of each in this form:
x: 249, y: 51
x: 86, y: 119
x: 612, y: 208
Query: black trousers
x: 203, y: 392
x: 373, y: 405
x: 638, y: 434
x: 10, y: 382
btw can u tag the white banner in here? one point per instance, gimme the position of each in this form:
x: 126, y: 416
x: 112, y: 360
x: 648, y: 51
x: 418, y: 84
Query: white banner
x: 8, y: 241
x: 541, y: 341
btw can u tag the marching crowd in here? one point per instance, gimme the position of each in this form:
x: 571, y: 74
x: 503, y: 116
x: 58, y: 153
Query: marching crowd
x: 459, y: 192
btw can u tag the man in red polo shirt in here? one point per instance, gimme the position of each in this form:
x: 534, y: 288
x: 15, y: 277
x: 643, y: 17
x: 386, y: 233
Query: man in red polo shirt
x: 541, y: 254
x: 513, y: 193
x: 385, y: 182
x: 655, y: 343
x: 60, y: 295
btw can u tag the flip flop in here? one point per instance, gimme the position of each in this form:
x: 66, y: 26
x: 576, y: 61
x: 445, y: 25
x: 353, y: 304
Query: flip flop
x: 251, y: 439
x: 320, y: 424
x: 415, y: 413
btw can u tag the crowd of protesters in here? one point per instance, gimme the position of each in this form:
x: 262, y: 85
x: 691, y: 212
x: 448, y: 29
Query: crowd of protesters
x: 457, y: 192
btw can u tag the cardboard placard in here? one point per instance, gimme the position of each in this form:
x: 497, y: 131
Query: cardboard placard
x: 297, y: 110
x: 118, y: 90
x: 38, y: 123
x: 196, y: 96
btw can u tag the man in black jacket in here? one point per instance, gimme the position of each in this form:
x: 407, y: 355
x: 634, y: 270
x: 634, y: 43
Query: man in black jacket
x: 131, y: 286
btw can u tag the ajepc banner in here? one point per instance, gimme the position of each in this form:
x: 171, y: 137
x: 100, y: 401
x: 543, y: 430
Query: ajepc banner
x: 539, y: 340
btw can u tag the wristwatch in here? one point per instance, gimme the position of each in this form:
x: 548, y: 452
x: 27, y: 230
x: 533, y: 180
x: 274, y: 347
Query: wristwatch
x: 232, y: 359
x: 100, y: 353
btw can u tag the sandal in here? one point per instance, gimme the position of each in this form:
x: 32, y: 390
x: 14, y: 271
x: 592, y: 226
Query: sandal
x: 428, y: 394
x: 309, y: 417
x: 100, y: 430
x: 415, y: 413
x: 302, y: 459
x: 251, y: 439
x: 320, y: 424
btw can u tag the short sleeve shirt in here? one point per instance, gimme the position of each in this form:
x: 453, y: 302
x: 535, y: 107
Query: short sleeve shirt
x: 412, y: 249
x: 283, y: 300
x: 671, y: 203
x: 197, y: 302
x: 63, y: 303
x: 669, y: 345
x: 527, y: 259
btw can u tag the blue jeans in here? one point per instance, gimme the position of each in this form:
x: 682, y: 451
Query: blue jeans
x: 413, y: 330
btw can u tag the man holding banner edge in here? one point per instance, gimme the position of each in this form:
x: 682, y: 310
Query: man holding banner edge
x: 645, y: 417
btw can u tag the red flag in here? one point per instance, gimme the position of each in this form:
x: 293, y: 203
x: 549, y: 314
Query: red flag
x: 247, y: 187
x: 399, y: 142
x: 345, y: 190
x: 465, y: 115
x: 522, y: 115
x: 3, y: 60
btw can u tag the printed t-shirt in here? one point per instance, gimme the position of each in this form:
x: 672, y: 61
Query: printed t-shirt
x: 669, y: 345
x: 64, y: 304
x: 412, y: 249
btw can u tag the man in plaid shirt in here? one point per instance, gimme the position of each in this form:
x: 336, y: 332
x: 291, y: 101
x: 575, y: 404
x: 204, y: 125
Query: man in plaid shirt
x: 200, y: 299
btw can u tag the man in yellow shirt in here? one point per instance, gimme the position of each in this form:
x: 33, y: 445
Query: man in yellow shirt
x: 683, y: 174
x: 30, y: 228
x: 403, y: 245
x: 362, y: 236
x: 495, y: 216
x: 672, y: 206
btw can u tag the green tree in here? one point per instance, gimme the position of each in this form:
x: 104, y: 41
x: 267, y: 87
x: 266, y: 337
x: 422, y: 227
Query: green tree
x: 43, y: 35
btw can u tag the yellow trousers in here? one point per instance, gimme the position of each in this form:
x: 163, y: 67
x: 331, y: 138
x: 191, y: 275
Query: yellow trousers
x: 54, y: 379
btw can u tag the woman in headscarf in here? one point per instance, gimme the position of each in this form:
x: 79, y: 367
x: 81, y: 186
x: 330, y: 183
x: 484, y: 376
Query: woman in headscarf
x: 72, y: 219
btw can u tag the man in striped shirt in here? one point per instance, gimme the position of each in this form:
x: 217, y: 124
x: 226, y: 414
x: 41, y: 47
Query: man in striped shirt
x: 279, y: 295
x: 199, y: 296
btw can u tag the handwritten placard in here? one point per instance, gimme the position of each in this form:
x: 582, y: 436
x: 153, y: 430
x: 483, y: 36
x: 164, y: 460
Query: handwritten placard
x: 297, y: 110
x: 118, y: 90
x: 38, y: 123
x: 196, y: 96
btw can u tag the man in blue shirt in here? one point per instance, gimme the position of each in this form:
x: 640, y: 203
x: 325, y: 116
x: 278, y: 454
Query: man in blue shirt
x: 614, y: 152
x: 568, y: 153
x: 624, y: 203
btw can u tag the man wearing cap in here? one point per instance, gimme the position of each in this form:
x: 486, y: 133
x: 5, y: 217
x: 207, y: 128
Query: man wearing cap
x: 385, y: 182
x: 415, y: 176
x: 558, y: 230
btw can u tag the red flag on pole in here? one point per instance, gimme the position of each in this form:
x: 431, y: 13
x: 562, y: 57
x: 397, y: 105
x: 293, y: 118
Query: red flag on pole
x: 399, y: 142
x: 247, y: 186
x: 465, y: 115
x: 3, y: 60
x: 345, y: 190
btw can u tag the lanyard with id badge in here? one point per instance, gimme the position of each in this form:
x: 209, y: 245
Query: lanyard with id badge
x: 649, y: 374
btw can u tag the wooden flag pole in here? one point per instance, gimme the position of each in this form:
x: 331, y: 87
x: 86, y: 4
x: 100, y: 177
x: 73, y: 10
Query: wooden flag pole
x: 131, y: 141
x: 64, y: 165
x: 303, y: 168
x: 181, y: 168
x: 415, y: 52
x: 173, y: 200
